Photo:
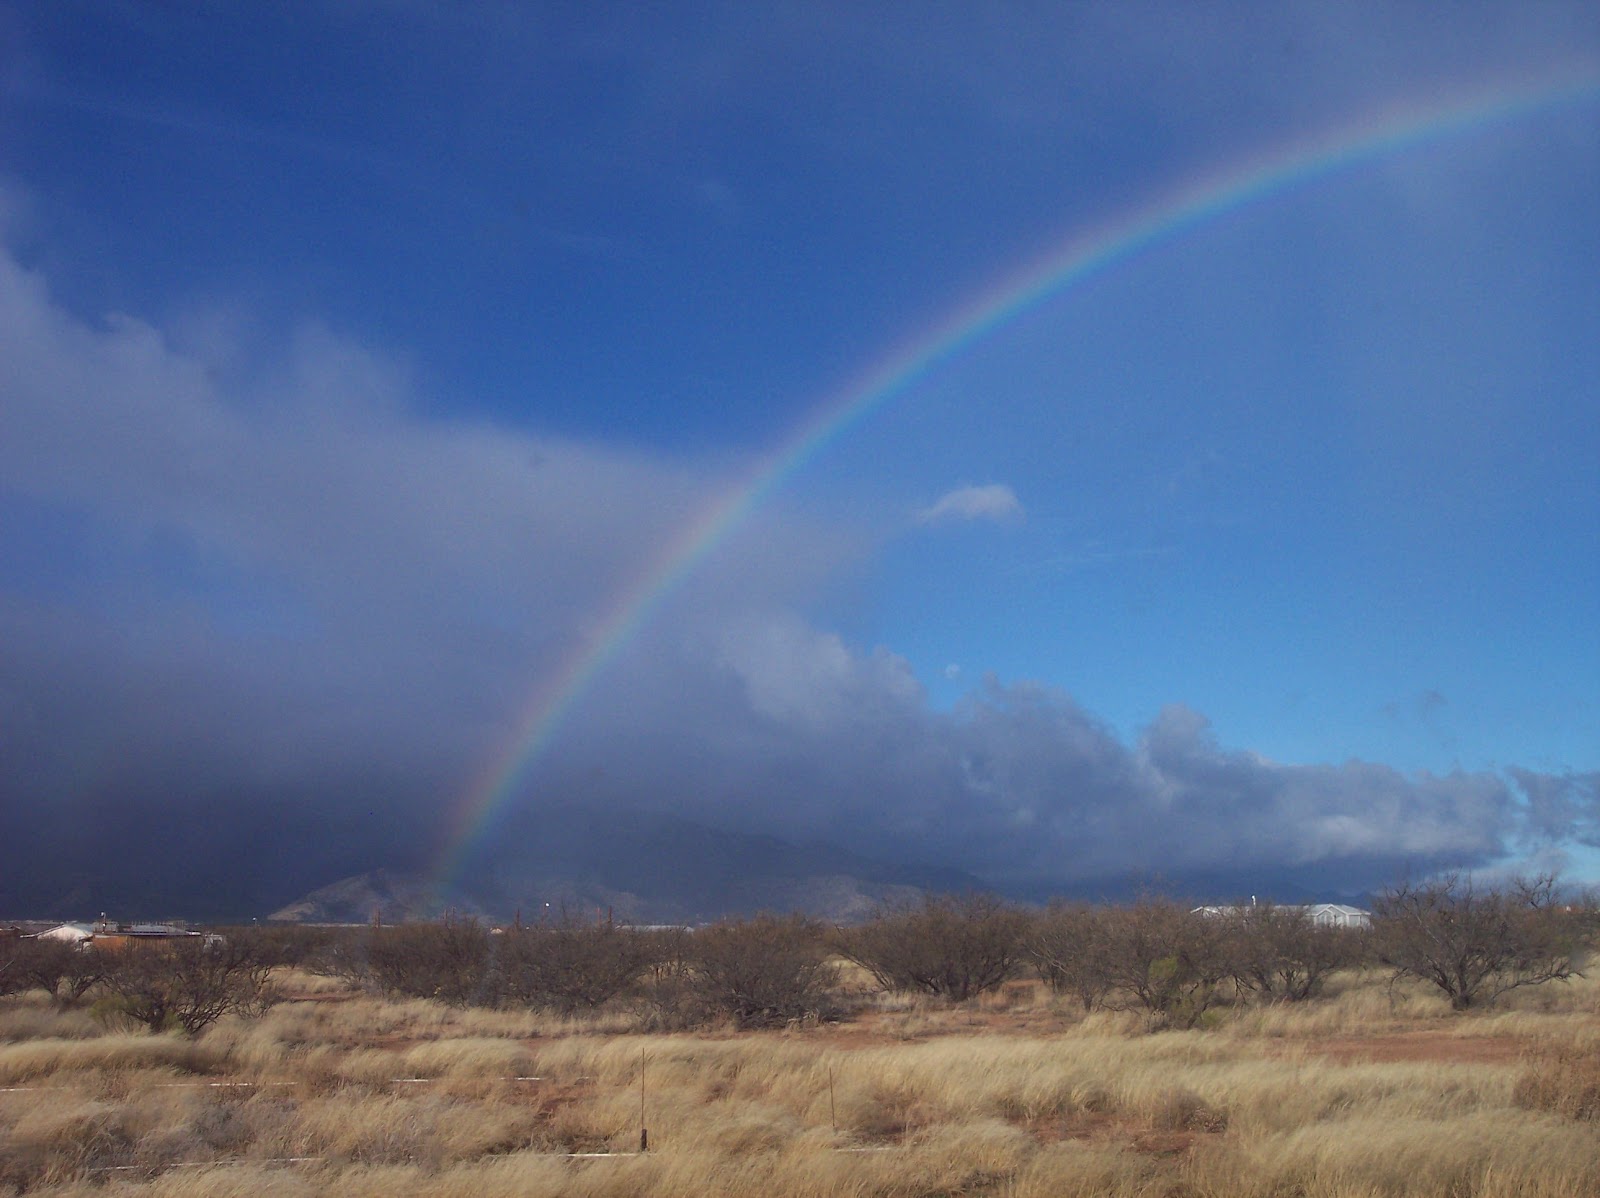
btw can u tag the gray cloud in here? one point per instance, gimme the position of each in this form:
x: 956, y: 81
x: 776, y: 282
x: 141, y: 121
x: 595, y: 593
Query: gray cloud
x: 782, y: 727
x: 1561, y: 806
x: 256, y: 634
x: 290, y: 591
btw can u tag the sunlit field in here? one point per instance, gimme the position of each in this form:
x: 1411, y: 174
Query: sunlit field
x: 1373, y: 1089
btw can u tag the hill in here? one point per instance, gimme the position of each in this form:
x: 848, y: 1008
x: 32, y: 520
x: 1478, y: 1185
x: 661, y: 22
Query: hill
x: 638, y: 866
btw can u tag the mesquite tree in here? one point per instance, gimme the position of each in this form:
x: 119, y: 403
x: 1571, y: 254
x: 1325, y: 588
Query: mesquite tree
x: 64, y: 971
x: 1070, y: 946
x: 1477, y: 943
x: 571, y: 964
x: 764, y: 972
x: 1282, y: 955
x: 451, y: 960
x: 187, y: 984
x: 1167, y: 959
x: 955, y: 947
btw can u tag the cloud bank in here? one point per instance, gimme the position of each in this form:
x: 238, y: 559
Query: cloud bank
x: 262, y: 627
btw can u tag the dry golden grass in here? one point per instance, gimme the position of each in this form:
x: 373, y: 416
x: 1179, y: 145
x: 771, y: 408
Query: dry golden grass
x: 44, y: 1057
x: 300, y: 983
x: 36, y: 1020
x: 1374, y: 1092
x: 1564, y: 1080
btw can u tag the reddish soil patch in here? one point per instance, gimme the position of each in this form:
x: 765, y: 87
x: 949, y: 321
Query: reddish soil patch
x: 1103, y: 1128
x: 1164, y: 1143
x: 1417, y: 1046
x: 1080, y: 1125
x: 869, y: 1028
x: 550, y: 1096
x: 390, y: 1041
x: 866, y: 1029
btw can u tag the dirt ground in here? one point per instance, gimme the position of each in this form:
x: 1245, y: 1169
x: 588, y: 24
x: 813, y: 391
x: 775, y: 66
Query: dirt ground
x: 1439, y: 1046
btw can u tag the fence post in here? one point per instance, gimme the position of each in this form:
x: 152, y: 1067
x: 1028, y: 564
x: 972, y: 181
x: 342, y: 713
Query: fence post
x: 644, y: 1132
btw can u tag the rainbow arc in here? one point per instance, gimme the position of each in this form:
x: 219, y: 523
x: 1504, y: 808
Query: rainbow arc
x: 1080, y: 258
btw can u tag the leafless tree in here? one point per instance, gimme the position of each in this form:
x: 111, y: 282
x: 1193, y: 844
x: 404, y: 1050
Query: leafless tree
x: 11, y: 980
x: 187, y: 984
x: 451, y: 960
x: 952, y: 946
x: 66, y: 972
x: 299, y: 945
x: 1476, y: 943
x: 571, y: 964
x: 764, y: 971
x: 670, y: 988
x: 343, y: 956
x: 1282, y: 955
x: 1070, y: 946
x: 1167, y: 959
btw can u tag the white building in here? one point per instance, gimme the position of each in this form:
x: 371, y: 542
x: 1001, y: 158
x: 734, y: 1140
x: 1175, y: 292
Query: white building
x: 1338, y: 915
x: 69, y: 933
x: 1324, y: 915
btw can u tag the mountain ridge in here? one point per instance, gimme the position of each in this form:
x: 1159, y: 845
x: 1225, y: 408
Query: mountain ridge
x: 637, y: 866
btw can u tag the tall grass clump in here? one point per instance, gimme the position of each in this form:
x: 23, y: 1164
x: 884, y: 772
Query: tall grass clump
x: 36, y: 1059
x: 1565, y: 1082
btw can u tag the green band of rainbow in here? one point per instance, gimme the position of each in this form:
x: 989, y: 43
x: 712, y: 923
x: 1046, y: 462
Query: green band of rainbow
x: 1081, y: 257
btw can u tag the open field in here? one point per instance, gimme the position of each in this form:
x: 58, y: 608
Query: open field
x: 1369, y: 1091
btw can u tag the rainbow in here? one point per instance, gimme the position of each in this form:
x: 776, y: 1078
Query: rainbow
x: 1079, y: 258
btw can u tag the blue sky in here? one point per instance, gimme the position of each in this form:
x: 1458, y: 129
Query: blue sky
x: 356, y: 356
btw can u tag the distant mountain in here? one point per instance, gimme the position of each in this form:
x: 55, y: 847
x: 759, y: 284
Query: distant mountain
x: 382, y: 894
x: 638, y: 866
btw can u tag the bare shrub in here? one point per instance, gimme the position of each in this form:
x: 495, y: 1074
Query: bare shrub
x: 950, y: 946
x: 66, y: 972
x: 286, y: 943
x: 573, y: 964
x: 669, y: 989
x: 450, y: 961
x: 1169, y: 960
x: 1476, y: 944
x: 765, y: 971
x: 1566, y: 1083
x: 1070, y: 946
x: 187, y: 984
x: 342, y: 956
x: 1282, y: 955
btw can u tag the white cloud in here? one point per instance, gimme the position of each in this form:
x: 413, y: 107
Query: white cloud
x: 996, y: 502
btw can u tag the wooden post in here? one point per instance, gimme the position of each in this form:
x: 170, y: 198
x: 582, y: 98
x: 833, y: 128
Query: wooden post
x: 644, y: 1131
x: 833, y: 1115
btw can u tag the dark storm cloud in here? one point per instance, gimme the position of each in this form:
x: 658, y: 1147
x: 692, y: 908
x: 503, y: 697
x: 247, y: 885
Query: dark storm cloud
x: 775, y: 725
x: 287, y: 592
x: 1022, y: 785
x: 256, y: 635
